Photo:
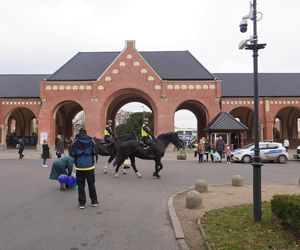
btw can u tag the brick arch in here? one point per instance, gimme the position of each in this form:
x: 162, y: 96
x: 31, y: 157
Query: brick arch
x: 8, y: 113
x: 246, y: 115
x: 120, y: 98
x: 199, y: 110
x: 63, y: 113
x: 23, y: 117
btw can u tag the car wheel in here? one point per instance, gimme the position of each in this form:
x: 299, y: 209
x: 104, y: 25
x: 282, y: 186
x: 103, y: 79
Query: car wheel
x: 282, y: 159
x: 246, y: 159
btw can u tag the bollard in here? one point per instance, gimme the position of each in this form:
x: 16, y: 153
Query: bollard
x: 193, y: 199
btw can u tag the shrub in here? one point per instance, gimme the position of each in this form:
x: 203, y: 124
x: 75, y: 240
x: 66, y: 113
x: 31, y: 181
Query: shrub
x: 181, y: 155
x: 287, y: 208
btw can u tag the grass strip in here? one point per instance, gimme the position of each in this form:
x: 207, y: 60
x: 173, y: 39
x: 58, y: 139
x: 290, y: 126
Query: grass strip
x: 234, y: 228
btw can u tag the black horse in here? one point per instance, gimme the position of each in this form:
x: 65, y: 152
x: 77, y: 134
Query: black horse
x: 131, y: 149
x: 103, y: 149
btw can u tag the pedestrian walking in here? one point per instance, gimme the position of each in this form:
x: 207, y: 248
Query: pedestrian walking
x: 63, y: 165
x: 60, y: 146
x: 286, y: 143
x: 83, y: 150
x: 21, y: 147
x: 45, y: 153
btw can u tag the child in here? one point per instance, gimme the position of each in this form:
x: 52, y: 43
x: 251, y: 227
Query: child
x: 228, y: 154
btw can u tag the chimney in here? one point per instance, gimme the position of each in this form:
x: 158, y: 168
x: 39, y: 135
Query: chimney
x: 130, y: 44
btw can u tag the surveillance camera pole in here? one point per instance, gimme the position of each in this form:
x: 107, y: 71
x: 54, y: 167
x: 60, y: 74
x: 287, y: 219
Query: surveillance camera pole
x: 256, y: 160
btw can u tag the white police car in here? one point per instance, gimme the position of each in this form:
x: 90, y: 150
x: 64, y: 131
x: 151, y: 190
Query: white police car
x: 269, y: 151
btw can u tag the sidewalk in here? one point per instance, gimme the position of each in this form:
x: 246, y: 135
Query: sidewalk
x: 169, y: 154
x: 35, y: 154
x: 13, y: 154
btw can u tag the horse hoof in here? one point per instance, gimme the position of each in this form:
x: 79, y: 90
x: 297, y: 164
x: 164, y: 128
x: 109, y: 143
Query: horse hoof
x: 124, y: 172
x: 105, y: 171
x: 138, y: 174
x: 116, y: 175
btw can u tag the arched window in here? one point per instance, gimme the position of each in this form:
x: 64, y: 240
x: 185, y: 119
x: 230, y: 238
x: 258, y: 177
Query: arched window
x: 12, y: 126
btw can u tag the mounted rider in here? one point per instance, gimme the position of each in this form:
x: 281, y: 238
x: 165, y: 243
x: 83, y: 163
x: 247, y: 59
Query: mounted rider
x: 109, y: 134
x: 147, y: 136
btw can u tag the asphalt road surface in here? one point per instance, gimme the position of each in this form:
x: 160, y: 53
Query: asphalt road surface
x: 133, y: 215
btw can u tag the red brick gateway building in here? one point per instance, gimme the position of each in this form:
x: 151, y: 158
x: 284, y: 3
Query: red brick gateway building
x: 100, y: 83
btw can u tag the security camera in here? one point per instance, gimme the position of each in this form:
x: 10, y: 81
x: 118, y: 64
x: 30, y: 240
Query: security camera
x: 243, y: 44
x: 243, y: 26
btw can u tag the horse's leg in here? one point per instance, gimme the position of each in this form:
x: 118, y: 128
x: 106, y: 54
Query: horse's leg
x: 123, y: 168
x: 118, y: 166
x: 108, y: 163
x: 156, y: 170
x: 132, y: 160
x: 160, y: 168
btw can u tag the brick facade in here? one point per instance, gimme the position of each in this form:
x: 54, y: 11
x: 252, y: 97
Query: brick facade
x: 130, y: 78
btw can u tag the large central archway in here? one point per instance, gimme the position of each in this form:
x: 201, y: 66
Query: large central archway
x: 123, y: 97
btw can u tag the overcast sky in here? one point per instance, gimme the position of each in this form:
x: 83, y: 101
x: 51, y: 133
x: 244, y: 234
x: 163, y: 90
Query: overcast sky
x: 39, y: 36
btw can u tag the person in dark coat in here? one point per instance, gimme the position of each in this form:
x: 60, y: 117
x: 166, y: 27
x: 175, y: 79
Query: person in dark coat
x: 45, y: 153
x: 60, y: 146
x: 83, y: 150
x: 220, y: 147
x: 21, y: 147
x: 63, y: 165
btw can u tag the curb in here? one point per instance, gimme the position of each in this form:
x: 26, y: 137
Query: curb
x: 203, y: 234
x: 179, y: 235
x: 177, y: 226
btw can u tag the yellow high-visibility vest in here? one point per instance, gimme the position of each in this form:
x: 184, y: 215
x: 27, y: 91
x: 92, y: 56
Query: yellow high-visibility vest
x: 144, y: 133
x: 107, y: 133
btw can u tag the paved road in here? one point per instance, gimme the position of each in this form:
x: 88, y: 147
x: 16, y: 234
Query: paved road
x: 132, y: 214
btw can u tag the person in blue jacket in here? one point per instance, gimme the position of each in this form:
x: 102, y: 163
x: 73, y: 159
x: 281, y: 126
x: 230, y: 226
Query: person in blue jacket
x: 83, y: 151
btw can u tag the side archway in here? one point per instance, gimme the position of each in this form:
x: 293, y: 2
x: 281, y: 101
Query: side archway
x: 65, y: 124
x: 21, y: 123
x: 245, y: 116
x: 200, y: 112
x: 289, y: 127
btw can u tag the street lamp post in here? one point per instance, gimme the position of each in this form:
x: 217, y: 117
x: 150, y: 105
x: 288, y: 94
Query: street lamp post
x: 252, y: 44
